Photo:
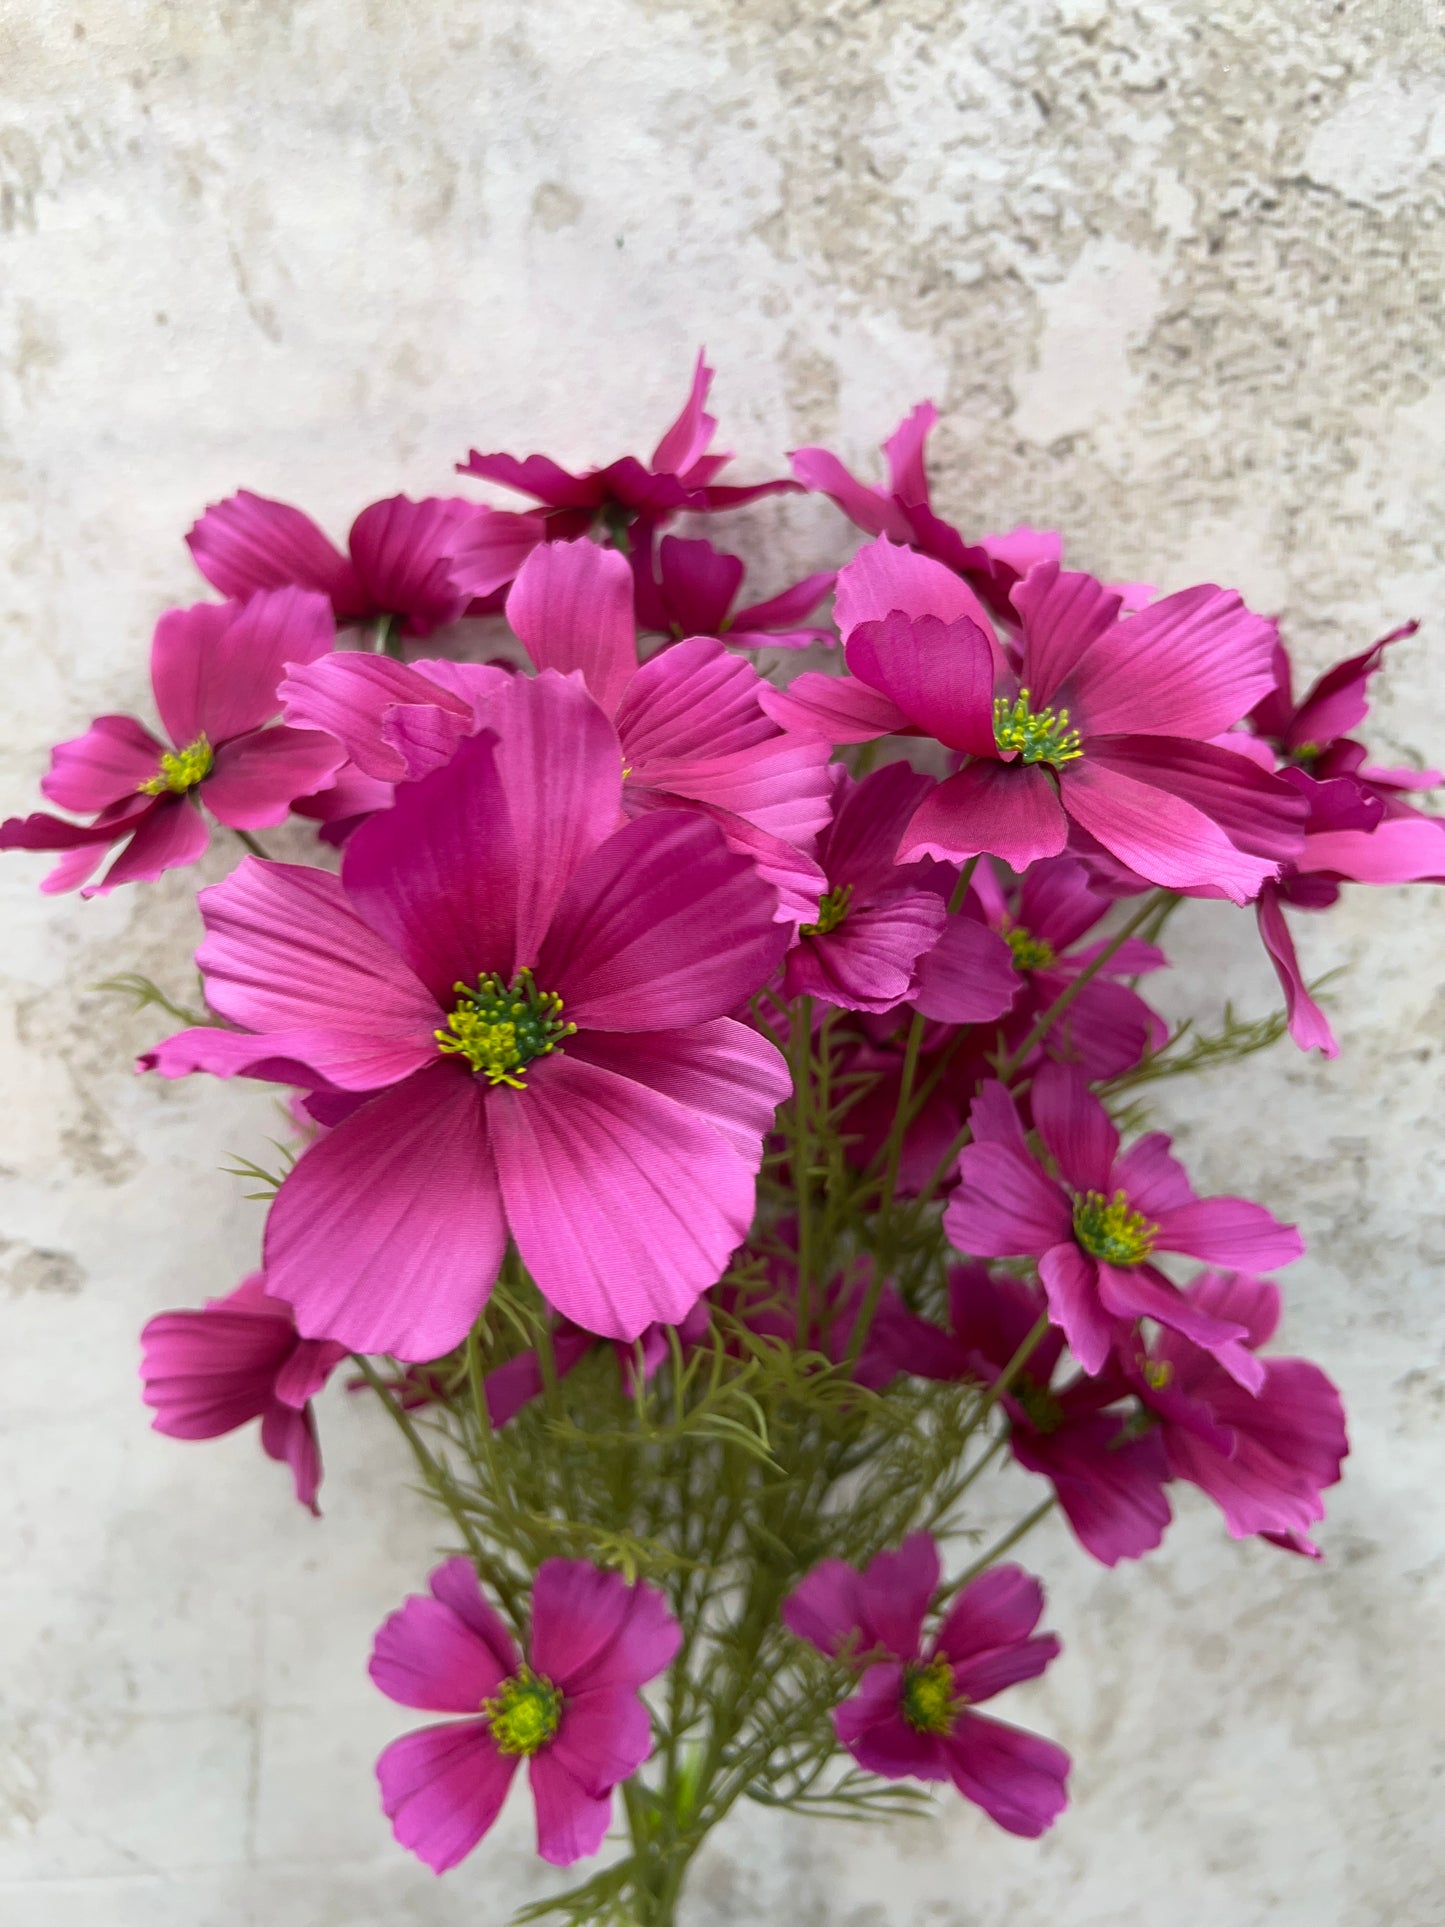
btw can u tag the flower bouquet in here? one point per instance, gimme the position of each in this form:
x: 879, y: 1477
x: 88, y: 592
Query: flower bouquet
x: 715, y: 1047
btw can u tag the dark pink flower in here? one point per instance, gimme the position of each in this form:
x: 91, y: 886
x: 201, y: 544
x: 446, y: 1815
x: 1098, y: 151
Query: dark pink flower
x: 399, y: 562
x: 912, y: 1716
x: 1108, y: 1027
x: 215, y: 668
x: 1108, y: 1477
x: 536, y: 1004
x: 903, y: 511
x: 678, y: 475
x: 1263, y: 1456
x: 882, y: 933
x: 1093, y: 724
x: 689, y: 589
x: 1094, y: 1228
x: 240, y: 1358
x: 571, y: 1709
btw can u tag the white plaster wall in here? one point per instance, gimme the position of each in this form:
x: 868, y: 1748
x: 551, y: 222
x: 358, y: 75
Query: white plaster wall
x: 1175, y: 274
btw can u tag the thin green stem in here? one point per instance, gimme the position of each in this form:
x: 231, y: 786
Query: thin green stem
x: 251, y: 844
x: 1000, y: 1546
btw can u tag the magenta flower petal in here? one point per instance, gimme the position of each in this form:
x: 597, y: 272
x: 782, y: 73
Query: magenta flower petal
x: 605, y: 1735
x: 1191, y: 664
x: 393, y: 722
x: 1008, y: 810
x: 883, y: 577
x: 776, y: 620
x: 492, y: 546
x: 256, y: 778
x: 1076, y: 1129
x: 425, y: 1656
x: 826, y: 1606
x: 724, y: 1073
x: 1261, y: 814
x: 1404, y: 849
x: 215, y: 667
x: 1063, y: 616
x: 454, y: 1583
x: 108, y: 763
x: 571, y: 1822
x: 289, y: 1437
x: 625, y: 1206
x: 895, y: 1592
x: 1160, y: 836
x: 941, y: 675
x: 285, y: 953
x: 872, y: 1727
x: 1308, y: 1024
x: 208, y: 1372
x: 1256, y: 1303
x: 1154, y: 1180
x: 388, y: 1234
x: 248, y: 543
x: 823, y: 474
x: 991, y: 1673
x: 401, y: 551
x: 868, y: 962
x: 436, y: 876
x: 968, y: 976
x: 592, y: 1630
x: 442, y: 1789
x: 1017, y: 1778
x: 571, y: 605
x: 839, y: 708
x: 1071, y: 1284
x: 1229, y: 1231
x: 1110, y: 1487
x: 1005, y: 1206
x: 167, y: 836
x: 663, y: 927
x: 999, y: 1608
x: 1140, y: 1291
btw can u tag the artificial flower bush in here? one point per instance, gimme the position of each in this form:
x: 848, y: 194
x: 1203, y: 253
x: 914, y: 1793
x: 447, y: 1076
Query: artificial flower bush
x: 716, y: 1044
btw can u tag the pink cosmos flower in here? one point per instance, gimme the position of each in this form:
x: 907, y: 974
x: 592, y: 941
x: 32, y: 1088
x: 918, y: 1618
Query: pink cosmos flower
x: 399, y: 562
x: 1108, y: 1027
x: 240, y: 1358
x: 1109, y: 1480
x: 1099, y: 725
x: 689, y: 589
x: 879, y: 919
x: 692, y: 730
x: 678, y: 475
x: 913, y: 1716
x: 214, y: 672
x: 903, y: 511
x: 1265, y: 1456
x: 536, y: 1004
x: 571, y: 1709
x: 1094, y: 1228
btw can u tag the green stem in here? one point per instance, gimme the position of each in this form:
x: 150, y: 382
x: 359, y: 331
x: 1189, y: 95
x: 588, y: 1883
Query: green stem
x: 251, y: 844
x: 802, y: 1053
x: 996, y: 1551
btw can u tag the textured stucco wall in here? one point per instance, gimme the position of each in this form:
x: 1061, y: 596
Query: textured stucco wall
x: 1175, y: 275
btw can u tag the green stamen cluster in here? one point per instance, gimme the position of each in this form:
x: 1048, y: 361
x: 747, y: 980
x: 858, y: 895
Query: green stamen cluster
x: 1030, y: 953
x: 831, y: 911
x: 499, y: 1028
x: 1039, y: 736
x: 524, y: 1714
x: 929, y: 1702
x: 1109, y: 1229
x: 180, y: 770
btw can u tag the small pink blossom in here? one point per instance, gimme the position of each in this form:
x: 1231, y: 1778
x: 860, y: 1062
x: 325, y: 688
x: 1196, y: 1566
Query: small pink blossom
x: 571, y: 1709
x: 912, y: 1716
x: 688, y: 589
x: 240, y: 1358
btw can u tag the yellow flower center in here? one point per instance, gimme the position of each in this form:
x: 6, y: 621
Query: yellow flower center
x: 180, y: 770
x: 1111, y: 1230
x: 1030, y: 953
x: 831, y: 911
x: 930, y: 1704
x: 524, y: 1713
x: 499, y: 1028
x: 1156, y: 1372
x: 1039, y: 735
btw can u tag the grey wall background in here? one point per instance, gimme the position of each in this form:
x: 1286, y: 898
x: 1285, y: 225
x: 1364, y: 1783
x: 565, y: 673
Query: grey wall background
x: 1175, y: 276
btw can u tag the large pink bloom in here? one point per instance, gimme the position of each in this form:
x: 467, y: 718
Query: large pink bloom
x: 679, y: 474
x: 215, y: 668
x: 1263, y: 1457
x: 688, y: 589
x: 571, y: 1710
x: 692, y: 730
x: 1093, y: 724
x: 540, y: 1001
x: 399, y: 561
x: 913, y: 1716
x: 240, y: 1358
x: 1109, y: 1480
x: 1094, y: 1228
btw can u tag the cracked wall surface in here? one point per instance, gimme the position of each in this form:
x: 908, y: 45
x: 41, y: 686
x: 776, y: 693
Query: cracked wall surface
x: 1175, y: 274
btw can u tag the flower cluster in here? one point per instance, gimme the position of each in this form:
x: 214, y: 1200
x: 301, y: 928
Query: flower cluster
x: 712, y: 1034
